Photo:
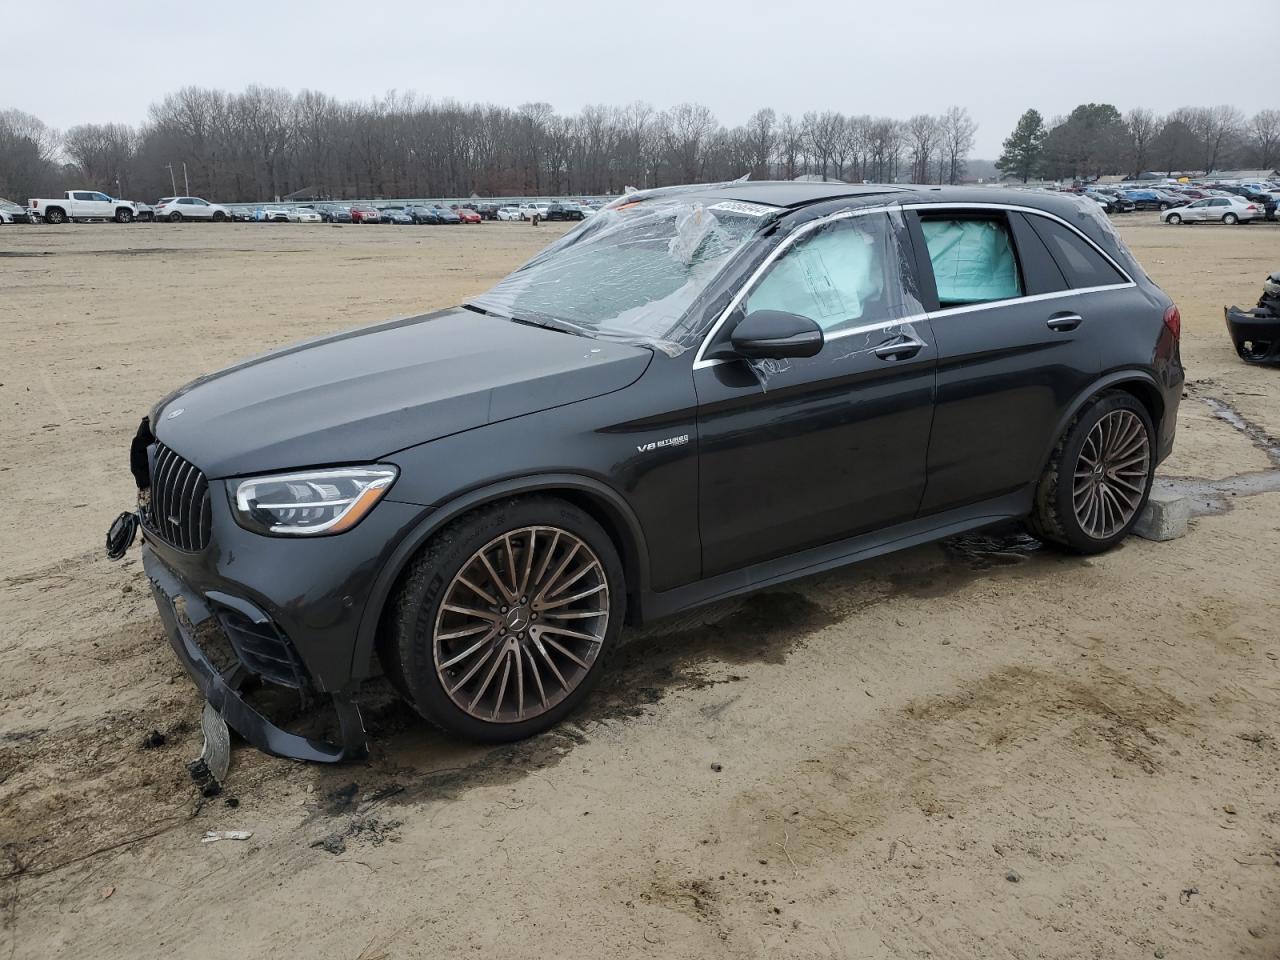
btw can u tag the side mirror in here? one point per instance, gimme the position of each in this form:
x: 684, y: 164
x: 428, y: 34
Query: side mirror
x: 775, y: 334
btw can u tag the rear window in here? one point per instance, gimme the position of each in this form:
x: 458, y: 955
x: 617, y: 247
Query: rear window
x: 1080, y: 263
x: 973, y: 259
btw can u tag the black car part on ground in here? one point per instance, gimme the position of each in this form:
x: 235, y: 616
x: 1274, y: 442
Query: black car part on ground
x: 1256, y: 332
x: 670, y: 444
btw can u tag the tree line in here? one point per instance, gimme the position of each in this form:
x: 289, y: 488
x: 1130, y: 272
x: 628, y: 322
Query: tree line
x: 1095, y: 139
x: 263, y: 143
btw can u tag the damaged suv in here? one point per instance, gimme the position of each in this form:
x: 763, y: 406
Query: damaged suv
x: 699, y: 392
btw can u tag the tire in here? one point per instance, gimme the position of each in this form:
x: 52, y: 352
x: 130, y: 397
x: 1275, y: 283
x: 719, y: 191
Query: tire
x: 437, y: 614
x: 175, y: 217
x: 1064, y: 496
x: 1173, y: 218
x: 55, y: 215
x: 1163, y: 207
x: 1230, y: 219
x: 124, y: 215
x: 219, y: 216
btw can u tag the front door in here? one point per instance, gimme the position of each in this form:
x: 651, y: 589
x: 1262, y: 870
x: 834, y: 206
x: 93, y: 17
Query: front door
x: 802, y: 452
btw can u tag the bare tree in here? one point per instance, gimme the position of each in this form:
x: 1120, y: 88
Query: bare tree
x: 923, y: 134
x: 1142, y: 126
x: 760, y: 138
x: 958, y: 131
x: 1264, y: 137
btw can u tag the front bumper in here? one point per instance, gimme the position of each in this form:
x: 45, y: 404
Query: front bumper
x: 221, y: 687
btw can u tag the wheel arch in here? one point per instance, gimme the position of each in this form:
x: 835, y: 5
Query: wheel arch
x: 1139, y: 384
x: 598, y: 500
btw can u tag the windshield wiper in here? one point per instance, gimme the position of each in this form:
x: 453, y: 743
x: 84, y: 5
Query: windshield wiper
x: 544, y: 324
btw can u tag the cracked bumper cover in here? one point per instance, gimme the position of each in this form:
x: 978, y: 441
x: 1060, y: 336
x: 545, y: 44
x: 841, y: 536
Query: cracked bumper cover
x: 220, y: 687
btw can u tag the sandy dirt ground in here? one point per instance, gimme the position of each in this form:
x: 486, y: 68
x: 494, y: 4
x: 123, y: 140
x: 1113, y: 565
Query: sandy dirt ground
x: 978, y: 749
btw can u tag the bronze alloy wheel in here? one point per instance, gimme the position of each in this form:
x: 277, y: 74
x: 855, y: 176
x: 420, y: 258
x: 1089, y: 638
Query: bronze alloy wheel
x: 1111, y: 474
x: 521, y: 624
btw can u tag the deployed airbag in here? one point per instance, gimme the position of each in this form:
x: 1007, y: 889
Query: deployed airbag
x: 973, y: 261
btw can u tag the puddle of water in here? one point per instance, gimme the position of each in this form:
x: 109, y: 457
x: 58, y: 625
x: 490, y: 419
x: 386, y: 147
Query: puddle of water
x: 1214, y: 496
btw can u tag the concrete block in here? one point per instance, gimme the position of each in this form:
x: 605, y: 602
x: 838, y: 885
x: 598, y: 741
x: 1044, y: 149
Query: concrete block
x: 1164, y: 517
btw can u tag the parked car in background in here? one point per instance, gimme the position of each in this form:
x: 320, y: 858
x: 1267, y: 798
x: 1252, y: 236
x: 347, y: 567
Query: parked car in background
x: 467, y: 215
x: 487, y: 211
x: 527, y: 210
x: 563, y: 211
x: 442, y: 215
x: 508, y: 213
x: 305, y: 215
x: 242, y: 214
x: 11, y: 212
x: 639, y: 421
x: 364, y: 214
x: 1222, y: 209
x: 333, y: 213
x: 1148, y: 200
x: 146, y: 213
x: 397, y: 215
x: 175, y: 209
x: 1111, y: 202
x: 82, y: 205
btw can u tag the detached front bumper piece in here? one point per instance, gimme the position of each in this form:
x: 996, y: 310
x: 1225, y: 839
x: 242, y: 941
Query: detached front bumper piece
x: 1255, y: 333
x: 253, y: 647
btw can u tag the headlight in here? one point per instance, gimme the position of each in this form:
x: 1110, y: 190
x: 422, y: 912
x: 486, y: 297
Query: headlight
x: 309, y: 502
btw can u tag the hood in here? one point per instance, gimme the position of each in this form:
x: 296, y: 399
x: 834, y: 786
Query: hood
x: 361, y: 395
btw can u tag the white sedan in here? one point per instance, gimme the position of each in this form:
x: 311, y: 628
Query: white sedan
x: 305, y: 215
x: 508, y: 213
x: 1221, y: 209
x: 175, y: 209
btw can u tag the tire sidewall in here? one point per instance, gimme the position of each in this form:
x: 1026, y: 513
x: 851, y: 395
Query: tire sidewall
x: 1063, y: 494
x: 444, y: 557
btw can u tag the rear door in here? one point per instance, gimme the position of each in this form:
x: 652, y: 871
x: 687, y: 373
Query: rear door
x: 1017, y: 342
x: 802, y: 452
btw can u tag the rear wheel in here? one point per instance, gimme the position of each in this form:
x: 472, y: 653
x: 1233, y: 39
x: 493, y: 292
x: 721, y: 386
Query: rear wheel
x: 1098, y: 477
x: 175, y: 217
x: 503, y: 624
x: 124, y: 215
x: 1230, y: 218
x: 54, y: 215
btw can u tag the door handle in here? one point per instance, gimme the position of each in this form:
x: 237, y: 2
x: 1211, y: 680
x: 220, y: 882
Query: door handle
x: 899, y: 348
x: 1063, y: 322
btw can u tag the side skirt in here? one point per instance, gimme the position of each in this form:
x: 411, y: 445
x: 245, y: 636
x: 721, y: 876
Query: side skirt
x: 654, y: 606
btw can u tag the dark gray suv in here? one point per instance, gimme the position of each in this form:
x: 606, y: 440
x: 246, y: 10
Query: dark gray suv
x: 698, y: 392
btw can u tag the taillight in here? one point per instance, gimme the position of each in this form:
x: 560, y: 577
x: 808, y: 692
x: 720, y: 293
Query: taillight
x: 1173, y: 320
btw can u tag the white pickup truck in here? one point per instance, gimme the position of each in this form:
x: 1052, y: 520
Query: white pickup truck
x: 83, y: 205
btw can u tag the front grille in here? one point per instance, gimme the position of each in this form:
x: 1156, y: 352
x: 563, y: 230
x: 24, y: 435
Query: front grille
x: 179, y: 511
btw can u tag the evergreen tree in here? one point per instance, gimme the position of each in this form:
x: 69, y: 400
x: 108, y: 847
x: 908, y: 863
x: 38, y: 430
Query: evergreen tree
x: 1023, y: 147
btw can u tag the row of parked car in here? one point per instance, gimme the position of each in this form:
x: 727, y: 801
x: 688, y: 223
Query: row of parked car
x: 84, y: 205
x: 1189, y: 202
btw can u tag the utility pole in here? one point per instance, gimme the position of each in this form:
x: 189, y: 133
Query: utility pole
x: 186, y: 184
x: 172, y: 182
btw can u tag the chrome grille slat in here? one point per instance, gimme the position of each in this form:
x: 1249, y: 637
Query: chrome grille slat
x: 181, y: 514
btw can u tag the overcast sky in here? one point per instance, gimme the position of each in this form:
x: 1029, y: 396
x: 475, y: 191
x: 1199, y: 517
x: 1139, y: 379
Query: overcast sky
x: 78, y: 61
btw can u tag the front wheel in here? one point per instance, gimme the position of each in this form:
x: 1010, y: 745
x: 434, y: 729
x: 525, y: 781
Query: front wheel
x: 124, y: 215
x: 219, y: 216
x: 1230, y: 219
x: 1173, y: 218
x: 1098, y: 477
x: 504, y: 622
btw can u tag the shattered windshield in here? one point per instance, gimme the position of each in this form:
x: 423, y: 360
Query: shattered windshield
x: 630, y: 272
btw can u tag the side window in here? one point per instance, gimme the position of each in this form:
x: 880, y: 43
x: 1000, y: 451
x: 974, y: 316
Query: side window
x: 1080, y: 263
x: 1220, y: 202
x: 973, y: 259
x: 83, y: 196
x: 1199, y: 203
x: 188, y: 201
x: 102, y: 196
x: 841, y: 274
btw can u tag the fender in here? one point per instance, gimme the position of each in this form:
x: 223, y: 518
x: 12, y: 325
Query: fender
x: 634, y: 552
x: 1112, y: 379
